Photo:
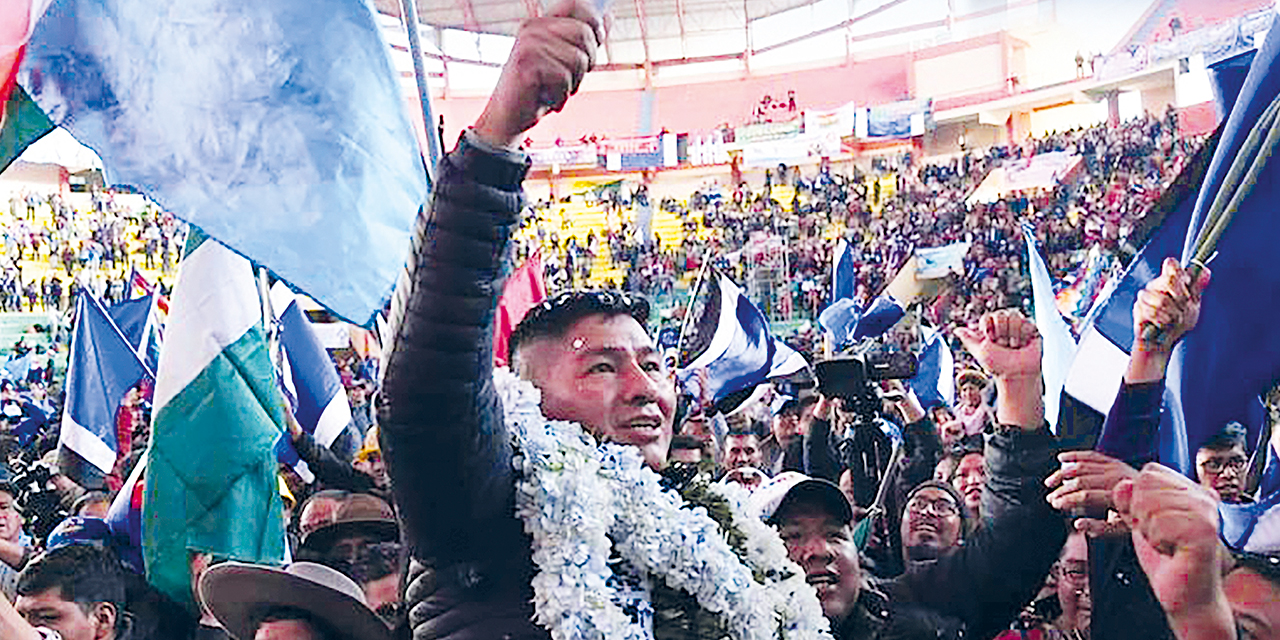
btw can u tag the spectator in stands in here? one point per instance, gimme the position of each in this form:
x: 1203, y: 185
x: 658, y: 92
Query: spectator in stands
x: 783, y: 449
x: 688, y: 450
x: 1221, y: 464
x: 971, y: 406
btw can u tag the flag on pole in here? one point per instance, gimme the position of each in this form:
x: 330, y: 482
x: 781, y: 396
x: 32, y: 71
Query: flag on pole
x: 1219, y: 369
x: 138, y: 285
x: 310, y: 380
x: 103, y: 367
x: 211, y: 480
x: 1059, y: 346
x: 139, y: 321
x: 277, y: 127
x: 731, y: 340
x: 523, y: 291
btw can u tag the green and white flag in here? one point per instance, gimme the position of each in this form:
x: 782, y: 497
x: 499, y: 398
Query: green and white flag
x: 211, y: 483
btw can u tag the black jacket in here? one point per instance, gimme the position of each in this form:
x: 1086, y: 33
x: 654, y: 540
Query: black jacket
x: 441, y: 424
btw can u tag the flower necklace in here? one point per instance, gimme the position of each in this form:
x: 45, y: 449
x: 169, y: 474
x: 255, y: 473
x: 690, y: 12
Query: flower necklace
x: 581, y: 501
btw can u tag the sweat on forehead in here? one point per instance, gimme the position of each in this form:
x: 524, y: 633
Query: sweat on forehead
x: 553, y: 318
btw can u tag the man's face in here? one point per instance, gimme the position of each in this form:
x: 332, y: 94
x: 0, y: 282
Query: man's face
x: 373, y: 465
x: 291, y: 629
x: 969, y: 477
x: 970, y: 395
x: 1222, y: 470
x: 789, y: 425
x: 1255, y: 602
x: 10, y: 518
x: 930, y: 524
x: 742, y: 451
x: 1072, y: 573
x: 605, y: 374
x: 48, y: 609
x: 823, y: 546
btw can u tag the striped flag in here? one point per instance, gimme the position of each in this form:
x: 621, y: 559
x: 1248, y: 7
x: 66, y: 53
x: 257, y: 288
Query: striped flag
x: 211, y: 480
x: 309, y: 380
x: 102, y: 368
x: 731, y: 341
x: 1059, y: 345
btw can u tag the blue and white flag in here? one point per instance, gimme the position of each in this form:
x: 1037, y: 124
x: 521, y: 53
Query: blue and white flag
x: 847, y: 322
x: 1233, y: 355
x: 277, y: 127
x: 935, y: 380
x: 939, y: 262
x: 1059, y: 346
x: 137, y: 320
x: 731, y: 341
x: 103, y: 367
x: 844, y: 273
x: 309, y: 380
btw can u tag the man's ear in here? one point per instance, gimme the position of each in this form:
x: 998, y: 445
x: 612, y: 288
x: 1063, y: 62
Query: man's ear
x: 103, y: 615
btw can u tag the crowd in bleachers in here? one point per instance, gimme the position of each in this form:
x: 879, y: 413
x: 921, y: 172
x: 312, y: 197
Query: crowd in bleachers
x: 1125, y: 168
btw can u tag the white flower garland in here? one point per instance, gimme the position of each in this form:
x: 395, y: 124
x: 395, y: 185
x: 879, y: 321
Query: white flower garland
x: 579, y: 501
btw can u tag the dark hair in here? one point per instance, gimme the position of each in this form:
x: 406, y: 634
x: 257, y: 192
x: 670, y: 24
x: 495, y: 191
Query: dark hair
x: 274, y: 614
x: 85, y: 575
x: 753, y: 428
x: 1232, y: 435
x: 556, y: 315
x: 685, y: 441
x: 1265, y: 565
x: 375, y: 562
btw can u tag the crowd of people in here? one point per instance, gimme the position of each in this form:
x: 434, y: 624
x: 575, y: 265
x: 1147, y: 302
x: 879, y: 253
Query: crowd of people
x: 578, y: 494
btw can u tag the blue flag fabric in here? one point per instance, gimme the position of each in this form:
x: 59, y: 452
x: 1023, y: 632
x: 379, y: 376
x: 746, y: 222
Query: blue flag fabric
x: 1233, y: 355
x: 102, y: 369
x: 739, y: 352
x: 935, y: 380
x: 1059, y: 346
x: 847, y: 322
x: 310, y: 381
x: 844, y: 274
x: 136, y: 319
x: 278, y: 127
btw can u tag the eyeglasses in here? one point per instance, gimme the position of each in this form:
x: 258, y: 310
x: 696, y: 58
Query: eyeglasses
x: 942, y: 507
x: 1218, y: 465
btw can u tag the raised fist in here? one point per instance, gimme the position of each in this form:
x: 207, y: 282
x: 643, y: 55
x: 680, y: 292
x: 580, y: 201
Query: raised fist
x: 551, y: 55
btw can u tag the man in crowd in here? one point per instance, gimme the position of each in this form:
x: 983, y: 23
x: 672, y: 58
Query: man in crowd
x: 15, y: 544
x: 337, y: 525
x: 742, y: 449
x: 304, y: 601
x: 782, y: 449
x: 975, y: 589
x: 1221, y: 464
x: 77, y: 591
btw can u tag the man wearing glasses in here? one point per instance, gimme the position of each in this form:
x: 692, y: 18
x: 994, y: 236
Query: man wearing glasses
x: 1221, y: 463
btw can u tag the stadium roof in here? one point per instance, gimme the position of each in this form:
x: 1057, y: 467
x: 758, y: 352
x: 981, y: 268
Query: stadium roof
x: 662, y: 32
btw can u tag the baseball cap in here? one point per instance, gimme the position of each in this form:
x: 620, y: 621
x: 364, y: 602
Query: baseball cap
x: 789, y: 487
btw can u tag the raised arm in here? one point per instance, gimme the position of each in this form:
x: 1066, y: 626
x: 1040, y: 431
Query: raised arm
x: 1171, y: 302
x: 443, y: 438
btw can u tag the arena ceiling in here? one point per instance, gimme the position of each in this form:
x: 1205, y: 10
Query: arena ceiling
x: 649, y: 32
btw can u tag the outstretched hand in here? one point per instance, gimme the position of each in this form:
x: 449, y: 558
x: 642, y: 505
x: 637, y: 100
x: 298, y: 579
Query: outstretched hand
x: 550, y: 56
x: 1005, y: 343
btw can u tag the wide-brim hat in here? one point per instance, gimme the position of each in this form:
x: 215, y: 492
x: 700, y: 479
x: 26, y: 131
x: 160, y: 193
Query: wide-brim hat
x: 359, y: 514
x: 240, y: 594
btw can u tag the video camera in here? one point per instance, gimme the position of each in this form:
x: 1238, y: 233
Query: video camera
x: 851, y: 378
x: 40, y: 501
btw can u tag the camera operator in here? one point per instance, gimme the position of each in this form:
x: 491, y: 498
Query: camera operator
x: 15, y: 544
x: 832, y: 451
